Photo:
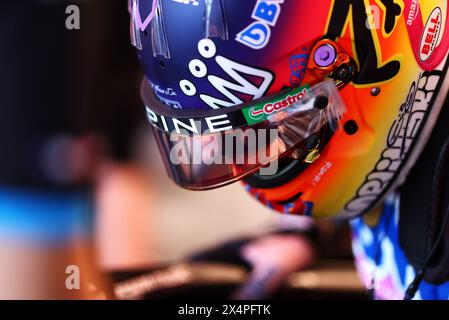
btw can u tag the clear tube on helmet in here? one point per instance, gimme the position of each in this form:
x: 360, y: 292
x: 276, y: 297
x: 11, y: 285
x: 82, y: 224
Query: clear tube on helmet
x: 159, y: 34
x: 136, y: 40
x: 215, y: 20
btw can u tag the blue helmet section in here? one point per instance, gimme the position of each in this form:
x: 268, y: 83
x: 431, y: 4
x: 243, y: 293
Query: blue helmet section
x: 192, y: 51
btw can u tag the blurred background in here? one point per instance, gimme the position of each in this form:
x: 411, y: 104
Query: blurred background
x: 82, y: 184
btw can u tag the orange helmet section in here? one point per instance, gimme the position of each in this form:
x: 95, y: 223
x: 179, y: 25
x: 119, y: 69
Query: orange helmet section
x: 401, y: 49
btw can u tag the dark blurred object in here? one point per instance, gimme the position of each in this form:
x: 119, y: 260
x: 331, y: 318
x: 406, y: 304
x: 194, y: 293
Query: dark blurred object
x: 267, y: 266
x: 230, y: 252
x: 334, y: 240
x: 69, y: 99
x: 110, y: 73
x: 331, y: 240
x: 334, y: 280
x: 58, y: 87
x: 424, y: 204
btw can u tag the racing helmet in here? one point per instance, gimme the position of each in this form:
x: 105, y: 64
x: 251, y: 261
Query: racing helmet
x: 328, y: 103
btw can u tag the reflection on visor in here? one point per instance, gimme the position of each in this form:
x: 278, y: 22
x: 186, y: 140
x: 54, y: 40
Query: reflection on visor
x: 223, y: 146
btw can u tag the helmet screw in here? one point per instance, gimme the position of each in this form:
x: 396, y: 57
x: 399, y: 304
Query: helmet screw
x: 321, y: 102
x: 345, y: 73
x: 325, y: 55
x: 375, y: 91
x: 351, y: 127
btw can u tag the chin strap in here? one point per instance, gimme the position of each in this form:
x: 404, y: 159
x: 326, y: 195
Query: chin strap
x: 437, y: 203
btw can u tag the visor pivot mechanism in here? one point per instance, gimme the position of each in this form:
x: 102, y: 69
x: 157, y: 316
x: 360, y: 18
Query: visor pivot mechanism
x: 331, y: 61
x: 325, y: 55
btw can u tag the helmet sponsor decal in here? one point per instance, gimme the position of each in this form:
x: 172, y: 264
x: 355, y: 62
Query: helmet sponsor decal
x: 257, y: 34
x: 322, y: 172
x: 158, y: 90
x: 241, y: 78
x: 213, y: 124
x: 414, y: 12
x: 260, y: 112
x: 432, y: 34
x: 427, y: 40
x: 399, y: 145
x: 166, y: 95
x: 250, y: 115
x: 298, y: 66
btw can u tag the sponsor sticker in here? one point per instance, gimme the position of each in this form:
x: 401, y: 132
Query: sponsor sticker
x: 266, y: 14
x: 298, y: 66
x: 432, y: 34
x: 413, y: 12
x: 261, y: 111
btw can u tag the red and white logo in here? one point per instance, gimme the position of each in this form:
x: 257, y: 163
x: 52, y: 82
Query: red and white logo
x: 432, y: 34
x: 413, y: 12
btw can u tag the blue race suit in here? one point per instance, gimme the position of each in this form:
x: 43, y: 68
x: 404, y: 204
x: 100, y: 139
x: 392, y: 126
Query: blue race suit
x: 381, y: 263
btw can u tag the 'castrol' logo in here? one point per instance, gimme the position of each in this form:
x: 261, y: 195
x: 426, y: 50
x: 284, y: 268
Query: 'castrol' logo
x: 271, y: 108
x: 431, y: 36
x: 261, y: 111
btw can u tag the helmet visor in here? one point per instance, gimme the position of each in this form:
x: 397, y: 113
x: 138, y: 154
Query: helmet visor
x: 209, y: 149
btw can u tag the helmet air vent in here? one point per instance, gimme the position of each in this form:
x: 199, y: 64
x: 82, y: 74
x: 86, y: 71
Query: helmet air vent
x: 158, y: 33
x: 215, y: 24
